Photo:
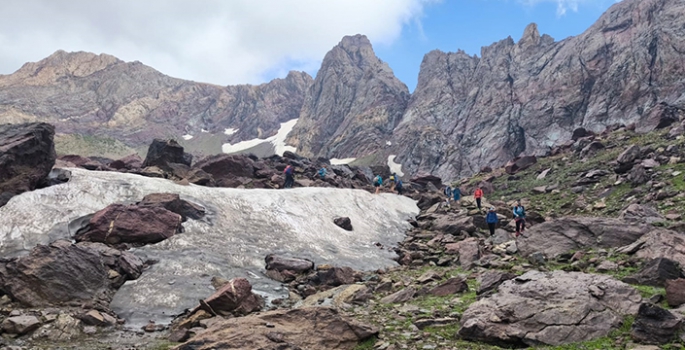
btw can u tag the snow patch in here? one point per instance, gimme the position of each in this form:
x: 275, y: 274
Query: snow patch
x: 203, y: 130
x: 336, y: 161
x: 230, y: 131
x: 187, y: 137
x: 277, y: 141
x: 388, y: 143
x: 394, y: 167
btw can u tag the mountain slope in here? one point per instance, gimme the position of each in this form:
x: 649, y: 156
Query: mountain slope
x: 526, y: 97
x: 100, y: 95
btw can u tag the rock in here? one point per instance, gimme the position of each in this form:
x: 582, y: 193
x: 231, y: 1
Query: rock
x: 27, y: 154
x: 129, y: 162
x: 234, y: 298
x: 401, y: 296
x: 654, y: 325
x: 543, y: 174
x: 225, y: 166
x: 550, y: 308
x: 572, y: 233
x: 658, y: 243
x: 448, y: 224
x: 344, y: 223
x: 655, y: 273
x: 629, y: 155
x: 519, y: 164
x: 591, y: 149
x: 674, y: 217
x: 451, y: 286
x: 675, y: 292
x: 422, y: 181
x: 303, y: 328
x: 468, y: 250
x: 95, y: 318
x: 540, y: 189
x: 489, y: 280
x: 335, y: 276
x: 339, y: 297
x: 163, y: 153
x: 436, y: 322
x: 54, y: 275
x: 282, y: 263
x: 64, y: 328
x: 173, y: 203
x: 429, y: 276
x: 55, y: 177
x: 120, y: 223
x: 638, y: 176
x: 606, y: 266
x: 641, y: 213
x: 650, y: 163
x: 20, y: 324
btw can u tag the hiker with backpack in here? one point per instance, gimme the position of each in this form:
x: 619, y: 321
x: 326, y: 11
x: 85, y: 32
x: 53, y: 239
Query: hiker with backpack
x: 478, y: 195
x: 520, y: 218
x: 448, y: 193
x: 398, y: 187
x: 392, y: 181
x: 289, y: 179
x: 377, y: 182
x: 491, y: 219
x: 322, y: 173
x: 457, y: 195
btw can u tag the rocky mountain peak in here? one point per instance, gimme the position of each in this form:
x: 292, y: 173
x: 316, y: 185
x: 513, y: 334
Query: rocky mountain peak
x: 531, y: 36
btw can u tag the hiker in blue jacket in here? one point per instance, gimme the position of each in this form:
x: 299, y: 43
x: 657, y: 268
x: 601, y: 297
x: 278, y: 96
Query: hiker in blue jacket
x: 520, y: 218
x: 457, y: 195
x: 492, y: 220
x: 448, y: 193
x: 322, y: 173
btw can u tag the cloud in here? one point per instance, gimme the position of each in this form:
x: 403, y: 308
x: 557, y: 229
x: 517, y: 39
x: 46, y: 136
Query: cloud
x: 564, y: 5
x: 222, y: 42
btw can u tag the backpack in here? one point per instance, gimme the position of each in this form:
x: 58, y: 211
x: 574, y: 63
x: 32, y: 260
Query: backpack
x: 399, y: 184
x: 288, y: 170
x: 378, y: 180
x: 448, y: 191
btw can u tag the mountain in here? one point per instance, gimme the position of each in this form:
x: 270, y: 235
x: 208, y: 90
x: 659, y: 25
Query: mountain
x: 100, y: 95
x: 526, y: 97
x: 353, y: 106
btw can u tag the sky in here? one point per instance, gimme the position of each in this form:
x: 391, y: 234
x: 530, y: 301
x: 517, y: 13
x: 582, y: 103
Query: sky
x: 252, y: 42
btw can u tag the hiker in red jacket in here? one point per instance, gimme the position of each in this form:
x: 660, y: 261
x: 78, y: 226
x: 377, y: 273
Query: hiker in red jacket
x: 478, y: 195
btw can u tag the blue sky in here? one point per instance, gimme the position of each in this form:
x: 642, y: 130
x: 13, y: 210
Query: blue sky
x: 471, y: 24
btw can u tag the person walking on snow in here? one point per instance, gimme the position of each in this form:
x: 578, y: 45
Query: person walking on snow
x: 289, y: 179
x: 448, y: 193
x: 377, y: 182
x: 520, y: 218
x: 491, y: 219
x: 478, y: 195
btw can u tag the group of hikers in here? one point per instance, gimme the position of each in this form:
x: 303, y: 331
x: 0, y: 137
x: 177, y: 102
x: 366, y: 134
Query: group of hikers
x: 394, y: 182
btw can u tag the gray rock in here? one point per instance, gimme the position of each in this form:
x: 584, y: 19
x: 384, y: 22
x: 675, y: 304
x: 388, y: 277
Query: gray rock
x: 658, y: 243
x: 655, y: 273
x: 642, y: 213
x: 491, y: 279
x: 20, y: 324
x: 401, y: 296
x: 654, y: 325
x: 550, y: 308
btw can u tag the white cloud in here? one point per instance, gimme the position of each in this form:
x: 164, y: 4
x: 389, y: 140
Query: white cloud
x: 223, y: 42
x: 564, y: 5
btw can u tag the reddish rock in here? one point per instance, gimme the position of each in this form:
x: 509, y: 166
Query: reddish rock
x: 129, y: 162
x: 173, y: 203
x: 161, y: 153
x: 424, y: 180
x: 451, y: 286
x: 519, y: 164
x: 336, y: 276
x: 225, y: 166
x: 675, y: 292
x: 468, y: 250
x: 120, y: 223
x: 281, y: 263
x: 234, y: 298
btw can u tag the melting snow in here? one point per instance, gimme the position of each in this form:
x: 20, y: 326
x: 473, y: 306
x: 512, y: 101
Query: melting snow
x: 388, y: 143
x: 278, y: 141
x: 230, y: 131
x: 394, y: 167
x: 336, y: 161
x: 187, y: 137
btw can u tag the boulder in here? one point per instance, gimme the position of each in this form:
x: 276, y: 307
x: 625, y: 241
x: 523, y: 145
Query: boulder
x: 675, y: 292
x: 641, y: 213
x: 120, y: 223
x: 97, y: 318
x: 227, y: 166
x: 451, y: 286
x: 551, y: 308
x: 449, y: 224
x: 334, y: 276
x: 489, y: 280
x: 302, y: 328
x: 658, y: 243
x: 129, y: 162
x: 519, y: 164
x: 173, y: 203
x: 234, y: 298
x: 343, y: 222
x: 572, y: 233
x: 629, y: 155
x: 401, y: 296
x: 27, y: 154
x: 637, y: 176
x: 20, y: 324
x: 579, y: 133
x: 422, y: 181
x: 339, y: 296
x: 655, y: 273
x: 162, y: 153
x: 654, y: 325
x: 55, y: 274
x: 282, y: 263
x: 468, y: 250
x: 55, y: 177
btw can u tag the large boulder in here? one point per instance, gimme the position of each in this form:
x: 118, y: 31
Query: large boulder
x: 56, y: 274
x: 520, y: 163
x: 551, y: 308
x: 233, y: 298
x: 173, y: 203
x: 658, y: 243
x: 27, y: 154
x: 129, y: 162
x: 163, y: 153
x: 120, y: 223
x: 286, y: 269
x: 654, y: 325
x: 20, y: 324
x: 560, y: 236
x: 641, y: 213
x: 225, y: 166
x: 303, y: 328
x: 655, y: 273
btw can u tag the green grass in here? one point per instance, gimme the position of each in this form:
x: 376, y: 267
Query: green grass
x: 367, y: 344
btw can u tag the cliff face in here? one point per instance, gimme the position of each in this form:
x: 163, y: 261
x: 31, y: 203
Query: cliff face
x: 103, y: 96
x: 353, y: 106
x: 526, y: 97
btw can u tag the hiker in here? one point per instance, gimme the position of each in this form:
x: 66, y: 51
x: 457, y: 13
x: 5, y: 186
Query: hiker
x: 478, y: 195
x: 322, y: 173
x: 492, y: 220
x: 448, y: 193
x: 392, y: 181
x: 457, y: 195
x: 377, y: 182
x: 520, y: 218
x: 398, y: 187
x: 289, y: 179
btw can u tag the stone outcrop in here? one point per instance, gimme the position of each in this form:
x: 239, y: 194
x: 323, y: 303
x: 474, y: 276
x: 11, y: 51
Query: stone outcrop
x: 352, y: 107
x: 525, y: 97
x: 550, y: 309
x: 27, y: 153
x: 658, y: 244
x: 100, y: 95
x: 304, y: 328
x: 233, y: 298
x: 560, y: 236
x: 654, y: 325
